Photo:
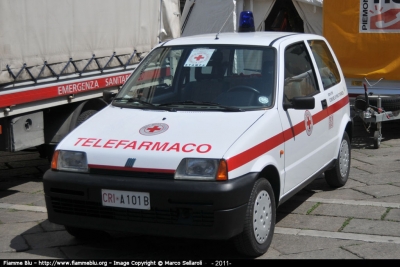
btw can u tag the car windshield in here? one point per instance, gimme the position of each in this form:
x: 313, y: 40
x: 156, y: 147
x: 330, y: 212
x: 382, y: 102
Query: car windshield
x: 227, y: 78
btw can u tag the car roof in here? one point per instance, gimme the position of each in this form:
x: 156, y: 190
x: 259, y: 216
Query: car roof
x: 241, y: 38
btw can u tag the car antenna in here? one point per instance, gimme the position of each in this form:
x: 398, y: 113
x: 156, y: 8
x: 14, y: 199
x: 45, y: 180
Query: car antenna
x: 223, y: 25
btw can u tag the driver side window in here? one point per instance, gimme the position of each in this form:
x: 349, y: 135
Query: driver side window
x: 300, y: 79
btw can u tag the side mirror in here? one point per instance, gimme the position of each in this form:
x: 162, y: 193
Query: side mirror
x: 302, y: 102
x: 108, y: 96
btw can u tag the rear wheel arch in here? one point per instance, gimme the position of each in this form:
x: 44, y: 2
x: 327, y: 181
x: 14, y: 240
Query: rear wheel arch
x: 60, y: 121
x: 349, y: 130
x: 96, y: 104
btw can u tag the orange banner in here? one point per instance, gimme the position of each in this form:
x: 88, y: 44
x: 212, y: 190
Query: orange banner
x: 365, y: 35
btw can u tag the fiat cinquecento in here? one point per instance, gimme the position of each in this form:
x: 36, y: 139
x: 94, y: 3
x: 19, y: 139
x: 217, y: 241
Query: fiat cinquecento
x: 208, y: 136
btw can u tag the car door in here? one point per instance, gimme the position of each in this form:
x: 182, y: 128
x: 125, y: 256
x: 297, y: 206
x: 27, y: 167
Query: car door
x: 304, y: 130
x: 335, y: 91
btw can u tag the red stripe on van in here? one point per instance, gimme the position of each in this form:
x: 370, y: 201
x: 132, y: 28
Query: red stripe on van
x: 269, y: 144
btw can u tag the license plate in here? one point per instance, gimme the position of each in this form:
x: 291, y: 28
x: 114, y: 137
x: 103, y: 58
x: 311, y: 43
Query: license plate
x: 125, y: 199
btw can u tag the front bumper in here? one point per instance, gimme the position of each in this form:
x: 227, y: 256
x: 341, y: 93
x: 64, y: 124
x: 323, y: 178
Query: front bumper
x: 194, y: 209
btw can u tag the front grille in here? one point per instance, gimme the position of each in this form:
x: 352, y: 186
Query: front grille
x: 96, y: 210
x: 133, y: 174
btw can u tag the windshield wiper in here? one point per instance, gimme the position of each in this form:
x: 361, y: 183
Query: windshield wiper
x: 201, y: 104
x: 135, y: 99
x: 138, y: 100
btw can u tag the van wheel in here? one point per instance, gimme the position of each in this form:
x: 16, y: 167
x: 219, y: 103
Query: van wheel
x: 84, y: 116
x: 338, y: 176
x: 259, y: 222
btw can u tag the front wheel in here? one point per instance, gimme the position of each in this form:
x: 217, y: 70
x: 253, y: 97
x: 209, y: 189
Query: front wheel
x: 338, y: 176
x: 259, y: 222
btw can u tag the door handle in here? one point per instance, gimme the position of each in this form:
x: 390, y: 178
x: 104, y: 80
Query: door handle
x: 324, y: 104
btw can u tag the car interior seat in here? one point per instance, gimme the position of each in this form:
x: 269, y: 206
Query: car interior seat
x: 209, y: 80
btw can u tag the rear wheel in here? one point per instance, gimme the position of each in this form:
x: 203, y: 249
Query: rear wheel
x: 259, y: 222
x: 338, y: 176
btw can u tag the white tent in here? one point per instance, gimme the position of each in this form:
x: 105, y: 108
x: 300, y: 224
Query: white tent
x: 209, y: 16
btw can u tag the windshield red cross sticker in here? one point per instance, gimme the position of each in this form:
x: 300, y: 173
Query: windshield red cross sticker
x: 153, y: 129
x: 199, y: 57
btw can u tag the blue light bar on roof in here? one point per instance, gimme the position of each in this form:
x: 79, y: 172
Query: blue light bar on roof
x: 246, y: 22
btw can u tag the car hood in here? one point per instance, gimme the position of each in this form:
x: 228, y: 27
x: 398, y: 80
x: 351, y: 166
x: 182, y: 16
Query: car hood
x: 156, y: 140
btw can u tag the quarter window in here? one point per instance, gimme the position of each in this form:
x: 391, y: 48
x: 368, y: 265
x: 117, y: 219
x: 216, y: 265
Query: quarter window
x: 300, y: 79
x: 326, y: 64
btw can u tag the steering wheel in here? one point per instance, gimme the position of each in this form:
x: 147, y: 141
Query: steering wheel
x: 243, y: 88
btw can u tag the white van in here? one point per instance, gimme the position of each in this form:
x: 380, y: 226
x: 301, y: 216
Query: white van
x: 208, y: 136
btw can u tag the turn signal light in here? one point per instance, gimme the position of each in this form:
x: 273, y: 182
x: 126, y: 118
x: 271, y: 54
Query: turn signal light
x: 54, y: 160
x: 222, y: 174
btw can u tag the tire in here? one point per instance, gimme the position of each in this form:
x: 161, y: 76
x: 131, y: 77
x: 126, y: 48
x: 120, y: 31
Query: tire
x: 259, y: 222
x: 84, y: 116
x: 338, y: 176
x: 377, y: 139
x: 389, y: 102
x: 85, y: 234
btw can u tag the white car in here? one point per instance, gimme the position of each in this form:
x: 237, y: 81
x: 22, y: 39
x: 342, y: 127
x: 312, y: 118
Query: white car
x: 206, y: 139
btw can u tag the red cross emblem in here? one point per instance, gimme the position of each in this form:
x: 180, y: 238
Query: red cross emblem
x: 199, y: 57
x: 309, y: 124
x: 153, y: 129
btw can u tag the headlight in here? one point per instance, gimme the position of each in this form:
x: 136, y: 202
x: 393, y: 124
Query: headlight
x: 202, y: 169
x: 73, y: 161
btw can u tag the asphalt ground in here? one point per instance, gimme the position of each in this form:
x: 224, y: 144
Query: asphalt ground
x: 358, y: 221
